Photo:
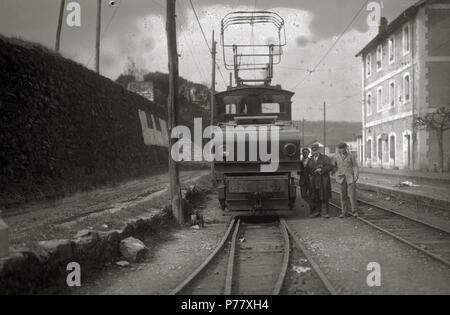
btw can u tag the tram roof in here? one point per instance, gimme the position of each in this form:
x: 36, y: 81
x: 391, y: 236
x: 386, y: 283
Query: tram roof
x: 247, y: 89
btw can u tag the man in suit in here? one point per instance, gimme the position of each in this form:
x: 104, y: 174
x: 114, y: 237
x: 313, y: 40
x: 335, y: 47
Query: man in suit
x: 320, y: 167
x: 347, y: 174
x: 304, y: 182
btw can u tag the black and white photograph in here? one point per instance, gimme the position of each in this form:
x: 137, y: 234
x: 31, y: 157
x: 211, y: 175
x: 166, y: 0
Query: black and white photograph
x: 224, y: 156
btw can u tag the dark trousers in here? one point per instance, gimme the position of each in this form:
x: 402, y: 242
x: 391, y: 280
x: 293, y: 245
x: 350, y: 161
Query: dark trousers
x: 318, y: 204
x: 305, y: 192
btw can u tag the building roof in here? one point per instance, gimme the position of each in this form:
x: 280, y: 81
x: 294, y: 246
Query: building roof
x: 140, y: 86
x: 404, y: 17
x: 253, y: 88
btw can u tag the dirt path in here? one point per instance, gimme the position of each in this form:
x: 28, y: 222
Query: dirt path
x: 439, y: 218
x: 344, y: 248
x: 174, y: 256
x: 63, y: 217
x: 435, y: 190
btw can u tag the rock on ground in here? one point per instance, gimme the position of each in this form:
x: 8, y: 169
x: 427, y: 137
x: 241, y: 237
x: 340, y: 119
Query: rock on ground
x: 133, y: 249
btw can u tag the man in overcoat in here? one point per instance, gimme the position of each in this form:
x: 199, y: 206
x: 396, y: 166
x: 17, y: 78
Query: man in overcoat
x: 304, y: 182
x: 320, y: 167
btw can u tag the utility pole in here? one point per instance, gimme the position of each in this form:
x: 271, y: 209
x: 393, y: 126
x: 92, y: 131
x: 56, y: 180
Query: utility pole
x: 213, y: 77
x: 213, y: 88
x: 97, y: 39
x: 324, y: 126
x: 4, y: 238
x: 175, y: 190
x: 303, y: 132
x: 60, y: 20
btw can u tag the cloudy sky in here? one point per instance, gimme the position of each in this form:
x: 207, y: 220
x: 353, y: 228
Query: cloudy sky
x: 135, y: 30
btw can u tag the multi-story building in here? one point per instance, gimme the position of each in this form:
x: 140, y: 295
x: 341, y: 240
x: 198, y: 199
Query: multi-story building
x: 406, y: 74
x: 143, y: 88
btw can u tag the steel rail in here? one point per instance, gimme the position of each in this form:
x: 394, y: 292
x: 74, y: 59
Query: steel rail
x: 399, y: 238
x: 205, y: 263
x: 313, y: 264
x: 285, y: 263
x: 439, y: 229
x: 231, y: 258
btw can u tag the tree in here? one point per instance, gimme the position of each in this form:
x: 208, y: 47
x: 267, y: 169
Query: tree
x: 439, y: 121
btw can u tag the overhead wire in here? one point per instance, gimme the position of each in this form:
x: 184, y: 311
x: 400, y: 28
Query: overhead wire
x: 310, y: 72
x: 105, y: 30
x: 190, y: 49
x: 206, y: 40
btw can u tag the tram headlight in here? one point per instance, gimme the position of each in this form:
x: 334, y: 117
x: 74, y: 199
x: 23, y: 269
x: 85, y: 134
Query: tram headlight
x: 290, y: 149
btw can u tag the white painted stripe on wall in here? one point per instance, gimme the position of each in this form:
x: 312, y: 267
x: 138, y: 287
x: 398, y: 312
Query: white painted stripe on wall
x: 153, y: 136
x: 387, y: 77
x: 388, y: 119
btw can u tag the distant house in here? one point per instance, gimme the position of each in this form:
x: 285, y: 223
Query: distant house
x: 143, y: 88
x: 406, y: 74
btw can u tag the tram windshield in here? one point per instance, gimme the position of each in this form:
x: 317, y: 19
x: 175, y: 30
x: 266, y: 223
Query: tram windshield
x: 254, y: 102
x: 253, y: 105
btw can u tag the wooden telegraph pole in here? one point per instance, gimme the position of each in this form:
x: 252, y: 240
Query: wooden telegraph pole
x: 213, y: 76
x: 97, y: 39
x: 175, y: 190
x: 213, y: 87
x: 324, y: 126
x: 60, y: 20
x: 303, y: 133
x: 4, y: 238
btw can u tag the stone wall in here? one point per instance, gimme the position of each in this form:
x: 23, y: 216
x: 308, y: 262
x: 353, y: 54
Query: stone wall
x: 64, y: 128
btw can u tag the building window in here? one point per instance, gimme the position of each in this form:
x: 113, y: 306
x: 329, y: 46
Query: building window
x: 380, y: 99
x: 407, y: 152
x: 406, y: 39
x: 230, y: 109
x: 392, y: 94
x: 391, y: 50
x: 369, y: 149
x: 369, y: 65
x: 392, y: 147
x: 379, y: 57
x: 406, y: 88
x: 380, y: 149
x: 374, y: 150
x: 369, y: 104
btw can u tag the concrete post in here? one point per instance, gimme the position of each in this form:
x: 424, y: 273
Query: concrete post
x: 4, y: 238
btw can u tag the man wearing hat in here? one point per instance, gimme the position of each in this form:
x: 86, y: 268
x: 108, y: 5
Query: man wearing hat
x: 304, y: 182
x: 320, y: 167
x: 347, y: 174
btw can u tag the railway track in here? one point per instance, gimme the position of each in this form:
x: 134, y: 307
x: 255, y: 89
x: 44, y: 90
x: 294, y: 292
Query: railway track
x: 425, y: 237
x: 251, y: 258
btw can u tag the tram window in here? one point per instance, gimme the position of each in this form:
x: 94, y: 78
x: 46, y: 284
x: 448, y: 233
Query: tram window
x: 230, y: 109
x: 270, y: 108
x: 149, y: 120
x: 242, y: 107
x: 157, y: 125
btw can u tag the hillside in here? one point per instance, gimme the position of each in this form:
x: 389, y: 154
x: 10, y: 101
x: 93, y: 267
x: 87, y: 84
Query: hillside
x: 336, y: 131
x: 194, y: 98
x: 194, y: 101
